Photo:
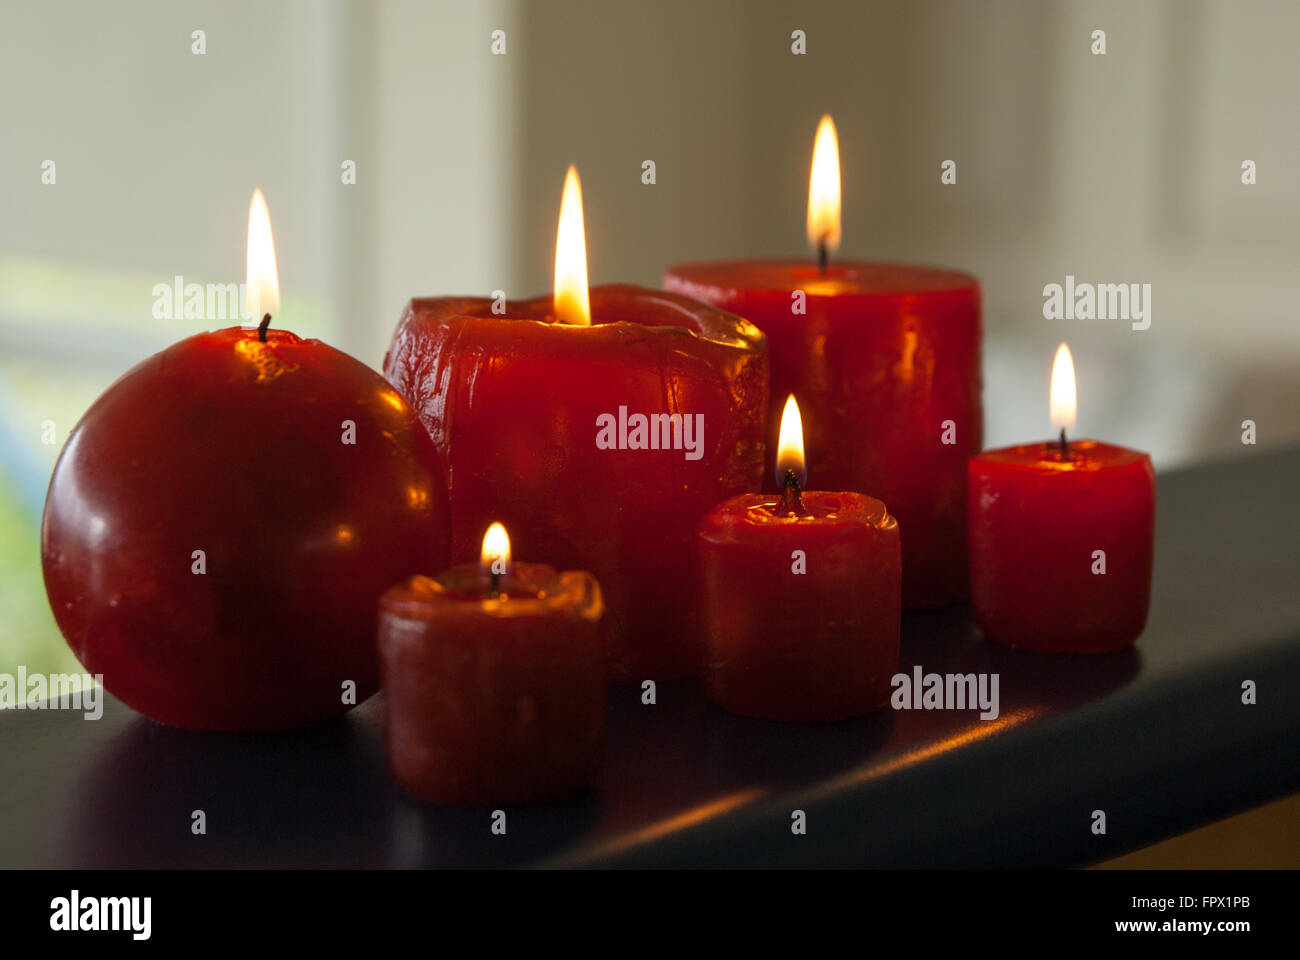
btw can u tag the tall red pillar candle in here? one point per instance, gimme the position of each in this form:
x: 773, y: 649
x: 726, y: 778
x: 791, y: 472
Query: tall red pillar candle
x: 885, y: 359
x: 494, y: 683
x: 599, y: 444
x: 800, y: 602
x: 223, y: 520
x: 1061, y: 541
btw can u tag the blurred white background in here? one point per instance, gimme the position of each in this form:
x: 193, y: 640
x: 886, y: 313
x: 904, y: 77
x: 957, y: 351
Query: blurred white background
x: 1117, y: 168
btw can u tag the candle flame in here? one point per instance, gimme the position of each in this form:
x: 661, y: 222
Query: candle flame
x: 1063, y: 401
x: 789, y: 446
x: 263, y: 294
x: 824, y: 189
x: 495, y: 557
x: 570, y: 296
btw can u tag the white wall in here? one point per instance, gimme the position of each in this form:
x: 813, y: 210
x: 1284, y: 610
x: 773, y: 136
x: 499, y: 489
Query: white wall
x: 158, y: 150
x: 441, y: 189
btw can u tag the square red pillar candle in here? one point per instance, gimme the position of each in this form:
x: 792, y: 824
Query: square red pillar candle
x: 494, y: 686
x: 1062, y: 538
x: 598, y: 446
x: 885, y: 361
x: 800, y: 603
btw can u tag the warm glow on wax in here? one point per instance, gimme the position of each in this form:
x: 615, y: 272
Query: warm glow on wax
x: 570, y: 296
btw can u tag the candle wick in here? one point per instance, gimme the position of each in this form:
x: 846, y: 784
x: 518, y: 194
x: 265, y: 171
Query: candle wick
x: 822, y: 255
x: 791, y: 502
x: 494, y: 590
x: 261, y: 327
x: 1065, y: 446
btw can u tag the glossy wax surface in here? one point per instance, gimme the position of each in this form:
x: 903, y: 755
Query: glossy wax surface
x: 512, y: 404
x: 494, y: 701
x: 228, y: 445
x: 883, y: 356
x: 821, y: 645
x: 1035, y: 521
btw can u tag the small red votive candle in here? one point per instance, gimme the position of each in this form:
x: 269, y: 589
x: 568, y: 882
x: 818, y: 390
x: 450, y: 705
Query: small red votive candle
x: 1062, y: 538
x: 800, y: 597
x: 494, y: 680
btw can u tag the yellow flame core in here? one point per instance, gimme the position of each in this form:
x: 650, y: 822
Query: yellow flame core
x: 789, y: 447
x: 263, y: 294
x: 824, y: 188
x: 570, y: 296
x: 495, y: 557
x: 1063, y: 401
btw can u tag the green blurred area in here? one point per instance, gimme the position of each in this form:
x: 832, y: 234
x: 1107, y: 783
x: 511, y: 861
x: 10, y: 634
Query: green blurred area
x: 29, y: 635
x: 44, y: 389
x: 66, y: 332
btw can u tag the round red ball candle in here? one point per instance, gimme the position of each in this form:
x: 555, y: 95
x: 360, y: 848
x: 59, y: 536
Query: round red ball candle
x: 1036, y: 518
x: 229, y: 445
x: 884, y: 356
x: 799, y: 646
x: 223, y: 519
x: 512, y: 403
x: 494, y: 697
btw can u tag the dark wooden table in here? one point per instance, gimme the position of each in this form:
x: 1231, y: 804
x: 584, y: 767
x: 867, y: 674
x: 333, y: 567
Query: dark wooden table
x: 1157, y: 737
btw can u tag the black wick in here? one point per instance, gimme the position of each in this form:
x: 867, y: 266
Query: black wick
x: 494, y: 590
x: 1065, y: 447
x: 261, y: 327
x: 791, y: 502
x: 822, y: 255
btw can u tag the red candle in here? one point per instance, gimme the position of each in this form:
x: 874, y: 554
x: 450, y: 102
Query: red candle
x: 494, y: 681
x: 223, y: 520
x: 885, y: 359
x: 599, y: 427
x: 799, y: 598
x: 1061, y: 538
